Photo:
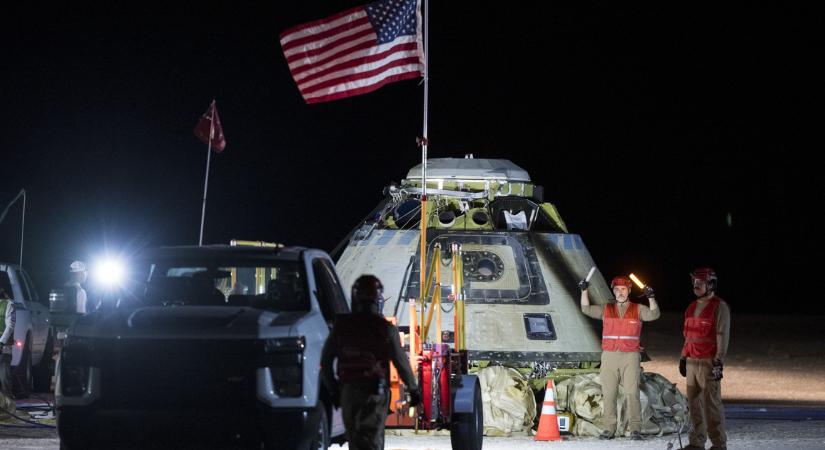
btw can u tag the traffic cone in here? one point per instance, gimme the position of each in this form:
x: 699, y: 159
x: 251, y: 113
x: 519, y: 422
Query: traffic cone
x: 548, y: 422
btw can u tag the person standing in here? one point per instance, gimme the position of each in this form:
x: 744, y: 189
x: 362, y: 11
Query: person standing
x: 706, y: 332
x: 364, y: 343
x: 77, y: 276
x: 621, y: 352
x: 7, y: 319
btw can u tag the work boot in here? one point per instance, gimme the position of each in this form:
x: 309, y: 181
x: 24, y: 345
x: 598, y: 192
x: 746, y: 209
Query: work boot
x: 692, y: 447
x: 606, y: 435
x: 718, y: 448
x: 635, y: 436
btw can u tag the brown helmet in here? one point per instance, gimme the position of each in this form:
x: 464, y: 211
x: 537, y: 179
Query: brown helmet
x: 366, y: 292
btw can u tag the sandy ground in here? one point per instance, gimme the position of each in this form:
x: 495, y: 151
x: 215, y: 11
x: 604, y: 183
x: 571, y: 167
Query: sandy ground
x: 771, y: 360
x: 774, y: 362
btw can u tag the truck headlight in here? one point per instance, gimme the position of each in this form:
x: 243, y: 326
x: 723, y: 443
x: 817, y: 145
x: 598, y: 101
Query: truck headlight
x: 285, y: 359
x: 76, y: 360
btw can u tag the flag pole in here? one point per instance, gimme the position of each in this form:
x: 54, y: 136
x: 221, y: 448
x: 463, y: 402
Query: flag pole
x: 208, y: 158
x: 423, y: 267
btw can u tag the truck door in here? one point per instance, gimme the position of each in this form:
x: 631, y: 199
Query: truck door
x: 39, y: 313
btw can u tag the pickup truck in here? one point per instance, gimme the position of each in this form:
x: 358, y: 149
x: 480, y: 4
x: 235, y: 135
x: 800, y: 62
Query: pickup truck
x: 220, y: 344
x: 31, y: 361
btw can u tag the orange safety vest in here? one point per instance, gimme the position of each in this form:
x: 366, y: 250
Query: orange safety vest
x: 621, y: 334
x: 700, y: 331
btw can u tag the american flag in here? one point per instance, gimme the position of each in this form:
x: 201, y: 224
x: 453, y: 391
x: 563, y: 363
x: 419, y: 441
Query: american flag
x: 355, y: 51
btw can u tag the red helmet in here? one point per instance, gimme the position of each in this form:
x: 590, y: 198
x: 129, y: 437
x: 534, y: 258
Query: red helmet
x: 367, y: 291
x: 621, y: 281
x: 703, y: 273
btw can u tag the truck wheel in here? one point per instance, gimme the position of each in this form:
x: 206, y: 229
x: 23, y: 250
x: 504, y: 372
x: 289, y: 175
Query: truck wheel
x: 42, y: 374
x: 22, y: 374
x: 320, y: 441
x: 467, y: 429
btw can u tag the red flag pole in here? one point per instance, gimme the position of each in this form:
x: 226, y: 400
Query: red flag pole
x: 208, y: 159
x: 423, y: 267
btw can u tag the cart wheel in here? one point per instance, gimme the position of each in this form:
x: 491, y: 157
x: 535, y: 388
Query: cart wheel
x: 467, y: 429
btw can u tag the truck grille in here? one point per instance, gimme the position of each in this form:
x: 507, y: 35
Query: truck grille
x: 177, y: 374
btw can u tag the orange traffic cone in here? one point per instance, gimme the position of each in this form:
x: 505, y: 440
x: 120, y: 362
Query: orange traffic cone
x: 548, y: 422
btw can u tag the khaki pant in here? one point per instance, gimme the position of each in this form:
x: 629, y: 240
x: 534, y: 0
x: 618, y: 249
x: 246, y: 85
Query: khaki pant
x: 704, y: 396
x: 364, y: 413
x: 624, y: 368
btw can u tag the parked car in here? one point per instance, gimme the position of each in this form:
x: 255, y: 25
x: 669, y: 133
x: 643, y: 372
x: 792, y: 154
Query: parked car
x: 32, y: 361
x: 221, y: 343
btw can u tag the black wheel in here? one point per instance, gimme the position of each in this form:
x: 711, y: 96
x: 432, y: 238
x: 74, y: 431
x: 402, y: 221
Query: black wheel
x: 42, y: 373
x: 467, y: 430
x: 320, y: 440
x: 22, y: 374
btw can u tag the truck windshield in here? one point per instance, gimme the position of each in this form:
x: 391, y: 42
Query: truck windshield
x: 273, y: 285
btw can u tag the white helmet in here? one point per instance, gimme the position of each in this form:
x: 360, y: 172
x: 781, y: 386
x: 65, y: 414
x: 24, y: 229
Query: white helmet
x: 77, y: 266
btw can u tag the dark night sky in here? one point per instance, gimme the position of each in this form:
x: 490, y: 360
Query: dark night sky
x: 647, y: 124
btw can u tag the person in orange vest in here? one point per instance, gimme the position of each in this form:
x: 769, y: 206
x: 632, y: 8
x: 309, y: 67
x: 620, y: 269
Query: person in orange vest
x: 706, y: 331
x: 621, y: 352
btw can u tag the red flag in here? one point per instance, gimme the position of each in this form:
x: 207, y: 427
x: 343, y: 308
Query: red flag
x: 355, y: 51
x: 206, y: 131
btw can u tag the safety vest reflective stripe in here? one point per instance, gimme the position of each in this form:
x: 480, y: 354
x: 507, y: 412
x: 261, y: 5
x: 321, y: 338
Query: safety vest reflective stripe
x: 621, y: 334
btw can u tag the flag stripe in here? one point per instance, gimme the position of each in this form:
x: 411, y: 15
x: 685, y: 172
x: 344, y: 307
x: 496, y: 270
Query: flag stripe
x: 360, y: 50
x: 356, y: 59
x: 320, y: 25
x: 313, y: 56
x: 364, y: 79
x: 362, y: 70
x: 319, y: 41
x: 362, y: 90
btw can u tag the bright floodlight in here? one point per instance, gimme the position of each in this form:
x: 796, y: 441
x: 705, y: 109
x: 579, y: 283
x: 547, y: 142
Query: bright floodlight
x: 110, y: 272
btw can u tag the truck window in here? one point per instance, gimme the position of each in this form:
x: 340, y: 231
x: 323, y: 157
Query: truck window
x: 32, y: 290
x: 338, y: 300
x: 5, y: 284
x: 327, y: 289
x: 24, y: 288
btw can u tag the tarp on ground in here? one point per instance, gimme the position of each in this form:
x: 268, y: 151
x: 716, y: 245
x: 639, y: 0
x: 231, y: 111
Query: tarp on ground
x: 664, y: 408
x: 509, y: 403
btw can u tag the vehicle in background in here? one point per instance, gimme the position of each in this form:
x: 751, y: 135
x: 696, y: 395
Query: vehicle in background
x: 31, y: 363
x: 221, y: 343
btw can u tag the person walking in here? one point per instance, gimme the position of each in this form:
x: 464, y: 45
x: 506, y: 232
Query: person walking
x: 707, y: 332
x: 364, y: 343
x: 621, y: 352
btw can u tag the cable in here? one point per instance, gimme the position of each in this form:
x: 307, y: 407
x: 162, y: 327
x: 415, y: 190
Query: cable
x: 33, y: 423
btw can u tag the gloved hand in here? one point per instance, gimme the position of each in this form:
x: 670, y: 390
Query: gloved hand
x: 683, y: 367
x: 649, y: 292
x: 415, y: 398
x: 717, y: 369
x: 583, y: 285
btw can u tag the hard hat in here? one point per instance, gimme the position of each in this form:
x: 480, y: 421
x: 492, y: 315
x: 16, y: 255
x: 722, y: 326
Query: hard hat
x: 77, y: 266
x: 703, y: 273
x: 367, y: 290
x: 621, y: 281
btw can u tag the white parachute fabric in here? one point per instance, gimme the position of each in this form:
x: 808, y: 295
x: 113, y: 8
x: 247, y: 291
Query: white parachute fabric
x: 509, y: 403
x: 664, y: 408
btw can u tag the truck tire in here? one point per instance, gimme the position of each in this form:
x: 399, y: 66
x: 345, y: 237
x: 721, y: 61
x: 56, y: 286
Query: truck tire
x: 467, y: 429
x: 320, y: 441
x: 43, y: 371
